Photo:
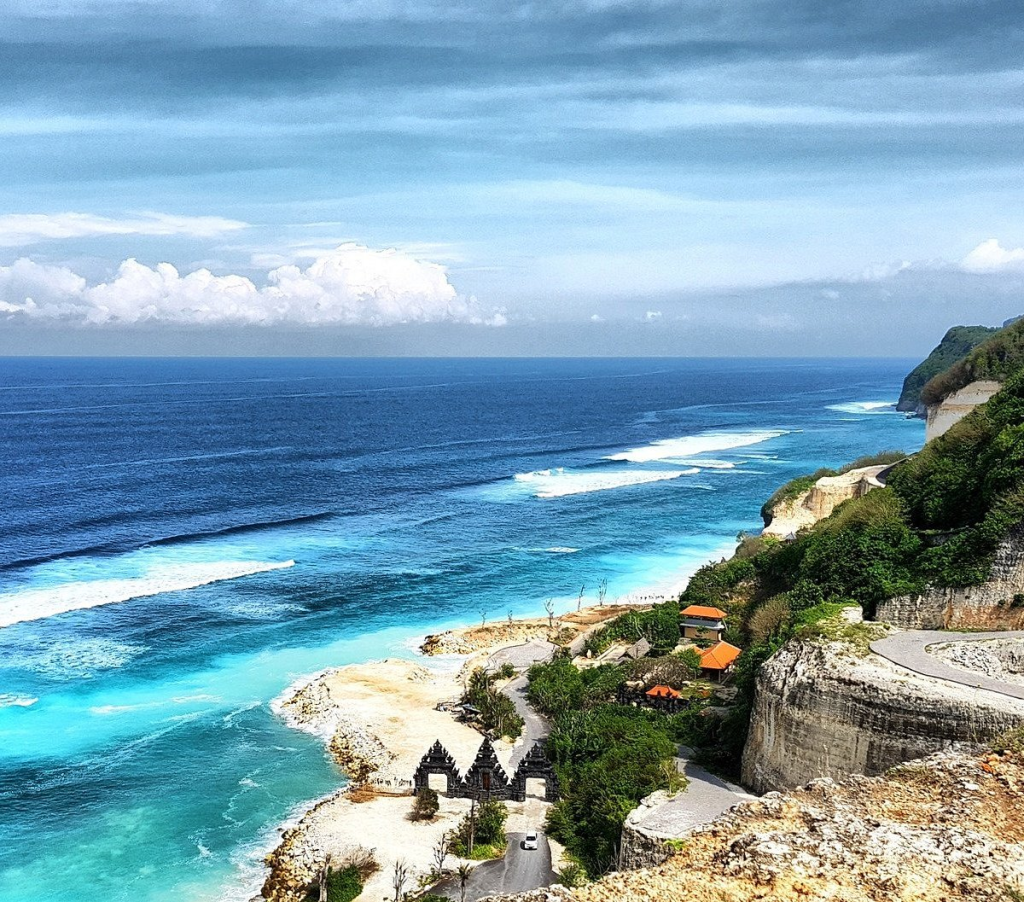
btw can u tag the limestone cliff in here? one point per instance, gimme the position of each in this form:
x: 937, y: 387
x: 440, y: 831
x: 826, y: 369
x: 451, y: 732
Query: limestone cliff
x: 821, y: 499
x: 956, y: 344
x: 947, y: 829
x: 997, y: 604
x: 953, y: 408
x: 822, y: 709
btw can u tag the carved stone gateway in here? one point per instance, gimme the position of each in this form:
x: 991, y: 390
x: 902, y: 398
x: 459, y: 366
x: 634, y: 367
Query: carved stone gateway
x: 438, y: 761
x: 486, y: 778
x: 535, y: 765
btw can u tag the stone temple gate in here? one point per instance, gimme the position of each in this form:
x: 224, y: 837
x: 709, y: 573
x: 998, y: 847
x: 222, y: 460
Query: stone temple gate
x: 486, y: 778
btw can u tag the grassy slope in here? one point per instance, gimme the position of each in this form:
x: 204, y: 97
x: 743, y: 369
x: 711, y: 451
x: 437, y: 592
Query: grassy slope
x: 998, y: 357
x: 956, y: 344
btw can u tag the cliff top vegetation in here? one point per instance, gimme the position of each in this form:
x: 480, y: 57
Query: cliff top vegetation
x: 998, y: 357
x: 956, y: 344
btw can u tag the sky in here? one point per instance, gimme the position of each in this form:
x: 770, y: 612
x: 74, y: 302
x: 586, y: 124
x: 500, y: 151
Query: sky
x: 767, y: 177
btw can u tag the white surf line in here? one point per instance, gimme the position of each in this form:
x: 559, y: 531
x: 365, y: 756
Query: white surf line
x: 39, y: 604
x: 694, y: 445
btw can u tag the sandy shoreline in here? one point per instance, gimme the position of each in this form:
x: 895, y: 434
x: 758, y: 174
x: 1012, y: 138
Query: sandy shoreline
x: 377, y: 719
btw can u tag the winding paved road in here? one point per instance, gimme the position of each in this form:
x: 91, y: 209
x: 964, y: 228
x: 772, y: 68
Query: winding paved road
x: 518, y: 872
x: 909, y: 649
x: 535, y: 727
x: 706, y: 797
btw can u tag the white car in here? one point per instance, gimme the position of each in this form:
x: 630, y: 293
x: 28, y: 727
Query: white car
x: 530, y: 843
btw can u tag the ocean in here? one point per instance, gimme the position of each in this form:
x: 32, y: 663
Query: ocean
x: 180, y: 540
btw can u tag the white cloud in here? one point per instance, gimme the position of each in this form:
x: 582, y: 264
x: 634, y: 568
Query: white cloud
x: 19, y: 229
x: 990, y: 256
x: 350, y: 285
x: 652, y: 315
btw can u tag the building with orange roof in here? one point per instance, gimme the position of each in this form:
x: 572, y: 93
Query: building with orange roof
x: 662, y: 692
x: 717, y: 661
x: 699, y: 622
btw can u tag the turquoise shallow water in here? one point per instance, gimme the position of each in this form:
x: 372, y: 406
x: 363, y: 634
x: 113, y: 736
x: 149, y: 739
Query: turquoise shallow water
x: 181, y: 540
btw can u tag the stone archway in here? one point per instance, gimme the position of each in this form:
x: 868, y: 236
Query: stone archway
x: 486, y: 779
x: 535, y: 765
x: 438, y: 761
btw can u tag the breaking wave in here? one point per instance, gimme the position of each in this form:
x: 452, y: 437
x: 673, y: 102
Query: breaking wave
x: 679, y: 449
x: 38, y: 604
x: 16, y: 701
x: 864, y: 407
x: 559, y: 482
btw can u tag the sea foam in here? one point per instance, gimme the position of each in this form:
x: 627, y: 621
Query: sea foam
x: 689, y: 446
x: 16, y: 701
x: 38, y: 604
x: 864, y: 407
x: 558, y: 482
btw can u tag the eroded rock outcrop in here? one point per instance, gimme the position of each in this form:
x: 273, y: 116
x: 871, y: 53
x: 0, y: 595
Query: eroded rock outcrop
x: 947, y: 828
x: 953, y: 408
x: 821, y: 499
x: 824, y: 710
x: 997, y: 604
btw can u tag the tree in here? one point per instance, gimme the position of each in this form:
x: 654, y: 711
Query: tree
x: 602, y: 591
x: 399, y: 877
x: 579, y: 601
x: 483, y: 618
x: 442, y: 849
x: 426, y: 805
x: 510, y: 616
x: 464, y: 871
x: 325, y: 876
x: 549, y: 606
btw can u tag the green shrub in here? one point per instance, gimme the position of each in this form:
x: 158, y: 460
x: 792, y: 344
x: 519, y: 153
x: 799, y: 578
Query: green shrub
x: 572, y: 875
x: 659, y: 626
x: 342, y: 886
x: 607, y: 759
x: 498, y: 713
x: 488, y: 828
x: 560, y: 685
x: 427, y: 805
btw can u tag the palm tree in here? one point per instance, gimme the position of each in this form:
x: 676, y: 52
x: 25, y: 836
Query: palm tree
x: 464, y: 871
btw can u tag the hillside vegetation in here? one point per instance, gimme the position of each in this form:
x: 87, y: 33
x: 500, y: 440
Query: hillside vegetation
x: 796, y: 487
x: 996, y: 358
x: 956, y: 344
x: 938, y: 522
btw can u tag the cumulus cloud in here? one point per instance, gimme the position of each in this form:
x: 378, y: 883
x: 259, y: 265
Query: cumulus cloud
x: 991, y: 256
x: 19, y: 229
x: 350, y: 285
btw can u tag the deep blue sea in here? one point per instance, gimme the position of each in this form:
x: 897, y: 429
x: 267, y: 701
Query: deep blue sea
x: 182, y: 539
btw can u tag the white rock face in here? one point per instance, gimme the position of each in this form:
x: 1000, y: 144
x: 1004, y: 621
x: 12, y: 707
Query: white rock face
x: 940, y: 417
x: 821, y: 499
x: 821, y: 711
x: 997, y: 604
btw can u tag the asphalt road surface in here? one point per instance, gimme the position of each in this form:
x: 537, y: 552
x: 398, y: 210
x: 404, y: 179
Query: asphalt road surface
x: 535, y: 727
x: 909, y: 649
x: 704, y: 799
x: 518, y: 872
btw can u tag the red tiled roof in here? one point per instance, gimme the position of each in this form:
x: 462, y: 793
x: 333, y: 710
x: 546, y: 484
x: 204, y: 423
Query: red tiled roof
x: 719, y: 656
x: 663, y: 692
x: 696, y: 610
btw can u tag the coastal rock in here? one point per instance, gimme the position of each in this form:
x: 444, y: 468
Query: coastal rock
x: 997, y: 604
x: 822, y: 710
x: 914, y: 835
x: 953, y: 408
x: 821, y: 499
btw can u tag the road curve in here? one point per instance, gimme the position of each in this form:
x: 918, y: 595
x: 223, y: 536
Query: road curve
x: 535, y: 727
x: 518, y: 872
x: 908, y: 649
